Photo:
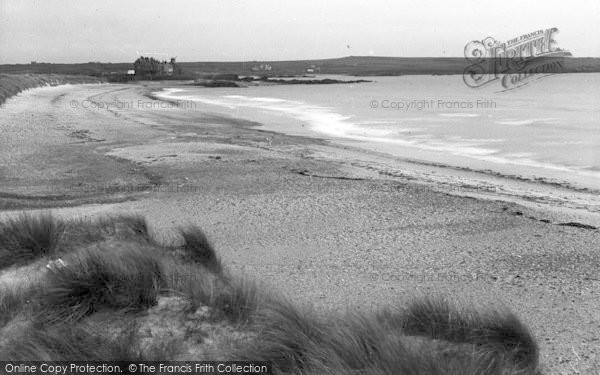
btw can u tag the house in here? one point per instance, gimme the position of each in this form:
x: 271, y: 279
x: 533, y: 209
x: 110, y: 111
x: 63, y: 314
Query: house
x: 313, y: 69
x: 262, y: 67
x: 167, y: 68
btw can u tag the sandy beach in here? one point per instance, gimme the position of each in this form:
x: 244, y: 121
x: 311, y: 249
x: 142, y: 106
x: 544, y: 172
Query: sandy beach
x: 330, y: 225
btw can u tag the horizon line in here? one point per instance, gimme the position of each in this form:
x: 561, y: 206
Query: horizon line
x: 255, y: 61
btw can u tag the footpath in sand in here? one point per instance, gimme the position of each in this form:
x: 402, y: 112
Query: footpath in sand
x: 325, y: 232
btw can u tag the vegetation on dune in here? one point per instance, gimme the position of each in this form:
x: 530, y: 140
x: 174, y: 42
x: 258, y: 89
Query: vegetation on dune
x: 115, y: 294
x: 65, y: 342
x: 454, y: 342
x: 199, y: 249
x: 491, y: 330
x: 27, y: 237
x: 12, y: 84
x: 107, y: 276
x: 13, y: 297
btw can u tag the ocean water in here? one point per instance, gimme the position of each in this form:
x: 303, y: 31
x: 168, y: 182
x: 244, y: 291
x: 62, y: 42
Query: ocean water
x: 548, y: 129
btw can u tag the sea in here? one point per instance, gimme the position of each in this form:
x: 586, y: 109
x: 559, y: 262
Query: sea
x: 545, y: 130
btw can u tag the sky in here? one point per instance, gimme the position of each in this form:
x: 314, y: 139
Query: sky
x: 67, y: 31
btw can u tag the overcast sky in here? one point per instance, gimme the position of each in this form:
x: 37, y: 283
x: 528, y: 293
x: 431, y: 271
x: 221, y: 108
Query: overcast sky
x: 227, y: 30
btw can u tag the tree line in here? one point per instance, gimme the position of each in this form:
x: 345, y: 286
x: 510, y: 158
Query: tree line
x: 150, y: 68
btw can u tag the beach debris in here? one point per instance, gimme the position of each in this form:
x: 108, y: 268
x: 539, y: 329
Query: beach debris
x: 306, y: 172
x: 577, y: 225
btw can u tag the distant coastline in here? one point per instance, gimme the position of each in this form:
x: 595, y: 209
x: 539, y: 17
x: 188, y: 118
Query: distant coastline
x: 351, y: 65
x: 233, y: 80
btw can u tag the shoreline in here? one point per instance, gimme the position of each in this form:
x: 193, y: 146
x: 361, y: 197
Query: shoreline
x: 444, y: 178
x: 331, y: 232
x: 576, y: 203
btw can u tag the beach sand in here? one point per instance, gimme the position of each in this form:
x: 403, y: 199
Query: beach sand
x: 312, y: 219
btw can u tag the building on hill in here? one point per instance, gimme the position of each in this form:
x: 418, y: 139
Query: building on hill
x: 167, y: 68
x: 262, y: 68
x: 313, y: 69
x: 150, y: 68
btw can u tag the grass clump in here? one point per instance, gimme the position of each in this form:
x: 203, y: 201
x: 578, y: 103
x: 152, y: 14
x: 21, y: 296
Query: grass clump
x: 67, y: 342
x: 233, y: 298
x: 28, y: 237
x: 112, y: 275
x: 430, y: 337
x: 198, y: 249
x: 192, y: 282
x: 491, y: 331
x: 13, y: 298
x: 240, y: 299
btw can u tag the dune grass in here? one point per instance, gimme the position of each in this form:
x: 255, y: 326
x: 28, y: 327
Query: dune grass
x: 26, y: 238
x: 109, y: 276
x: 493, y: 331
x: 68, y: 342
x: 91, y: 305
x: 12, y: 300
x: 232, y: 298
x: 429, y: 337
x: 199, y: 249
x: 12, y: 84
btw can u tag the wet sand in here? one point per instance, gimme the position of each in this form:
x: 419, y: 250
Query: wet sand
x: 320, y: 222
